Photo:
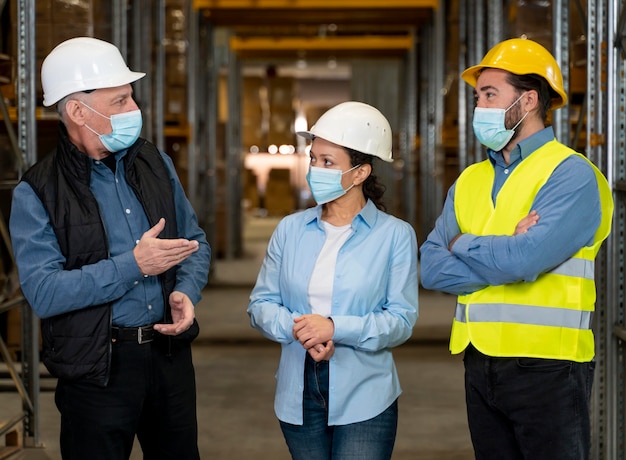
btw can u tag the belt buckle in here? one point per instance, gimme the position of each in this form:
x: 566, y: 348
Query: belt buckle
x: 140, y: 338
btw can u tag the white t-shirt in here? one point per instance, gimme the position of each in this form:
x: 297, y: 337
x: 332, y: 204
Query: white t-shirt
x: 321, y: 284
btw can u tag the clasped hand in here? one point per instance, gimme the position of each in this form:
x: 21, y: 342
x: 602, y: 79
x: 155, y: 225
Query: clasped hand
x: 315, y: 332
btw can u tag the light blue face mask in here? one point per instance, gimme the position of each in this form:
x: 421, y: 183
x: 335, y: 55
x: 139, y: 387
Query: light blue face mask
x: 126, y: 129
x: 325, y: 183
x: 490, y: 129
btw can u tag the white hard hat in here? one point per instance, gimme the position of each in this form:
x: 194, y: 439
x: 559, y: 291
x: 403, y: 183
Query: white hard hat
x: 354, y: 125
x: 83, y: 64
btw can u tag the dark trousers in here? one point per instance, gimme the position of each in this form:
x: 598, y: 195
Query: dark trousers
x: 150, y: 394
x: 528, y: 408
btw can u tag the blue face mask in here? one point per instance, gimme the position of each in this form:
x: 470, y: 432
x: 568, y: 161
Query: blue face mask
x: 126, y: 129
x: 325, y: 183
x: 490, y: 129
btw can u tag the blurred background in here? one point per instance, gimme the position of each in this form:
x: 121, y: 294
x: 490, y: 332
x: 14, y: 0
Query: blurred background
x: 228, y: 84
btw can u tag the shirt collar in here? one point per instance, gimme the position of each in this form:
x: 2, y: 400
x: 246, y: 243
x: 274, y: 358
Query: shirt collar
x: 525, y: 147
x: 367, y: 215
x: 117, y: 155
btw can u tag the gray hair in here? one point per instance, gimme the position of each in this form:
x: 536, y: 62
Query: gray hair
x: 63, y: 102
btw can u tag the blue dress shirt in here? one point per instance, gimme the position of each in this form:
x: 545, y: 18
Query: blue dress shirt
x: 569, y: 212
x: 374, y: 308
x: 137, y: 300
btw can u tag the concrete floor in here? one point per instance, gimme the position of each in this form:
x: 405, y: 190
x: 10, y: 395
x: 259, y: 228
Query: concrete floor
x: 235, y: 369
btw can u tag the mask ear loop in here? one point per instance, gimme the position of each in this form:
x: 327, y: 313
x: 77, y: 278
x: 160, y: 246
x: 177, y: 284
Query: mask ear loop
x: 91, y: 108
x: 95, y: 111
x: 351, y: 169
x: 92, y: 130
x: 521, y: 119
x: 515, y: 102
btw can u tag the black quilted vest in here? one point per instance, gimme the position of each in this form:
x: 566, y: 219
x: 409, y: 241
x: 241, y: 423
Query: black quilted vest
x: 77, y: 345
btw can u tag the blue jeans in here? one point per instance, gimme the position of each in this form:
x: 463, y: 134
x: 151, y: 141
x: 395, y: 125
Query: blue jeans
x: 314, y: 440
x: 528, y: 408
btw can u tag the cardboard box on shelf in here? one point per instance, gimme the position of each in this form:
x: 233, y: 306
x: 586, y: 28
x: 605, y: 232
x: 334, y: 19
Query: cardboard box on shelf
x: 176, y: 69
x: 175, y: 102
x: 175, y: 22
x: 43, y: 11
x: 73, y: 12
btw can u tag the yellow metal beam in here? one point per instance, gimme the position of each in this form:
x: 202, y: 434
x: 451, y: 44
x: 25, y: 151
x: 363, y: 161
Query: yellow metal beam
x: 331, y: 43
x: 314, y: 4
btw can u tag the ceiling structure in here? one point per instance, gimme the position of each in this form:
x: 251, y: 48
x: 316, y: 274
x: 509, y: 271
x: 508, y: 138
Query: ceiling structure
x: 314, y: 40
x: 291, y: 29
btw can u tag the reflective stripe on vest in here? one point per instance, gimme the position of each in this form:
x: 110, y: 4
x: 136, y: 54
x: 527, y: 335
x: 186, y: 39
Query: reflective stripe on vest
x: 576, y: 267
x: 525, y: 314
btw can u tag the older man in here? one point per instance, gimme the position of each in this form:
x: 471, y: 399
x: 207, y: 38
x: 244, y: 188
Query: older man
x: 111, y: 258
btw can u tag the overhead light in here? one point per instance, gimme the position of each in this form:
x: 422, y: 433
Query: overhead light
x: 300, y: 123
x: 286, y: 149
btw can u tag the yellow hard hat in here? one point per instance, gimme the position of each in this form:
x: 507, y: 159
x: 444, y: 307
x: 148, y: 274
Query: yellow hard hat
x: 522, y: 57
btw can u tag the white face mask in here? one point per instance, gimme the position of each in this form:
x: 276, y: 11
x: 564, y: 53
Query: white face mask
x: 490, y: 129
x: 126, y: 129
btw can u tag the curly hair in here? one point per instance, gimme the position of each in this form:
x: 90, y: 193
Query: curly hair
x: 372, y: 188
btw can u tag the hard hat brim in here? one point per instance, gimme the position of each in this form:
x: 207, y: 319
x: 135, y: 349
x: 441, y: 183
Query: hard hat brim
x: 306, y: 134
x: 310, y: 136
x: 93, y: 84
x: 470, y: 75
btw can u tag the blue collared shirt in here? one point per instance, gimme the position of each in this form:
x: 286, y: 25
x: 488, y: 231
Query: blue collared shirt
x: 569, y: 212
x: 374, y: 308
x: 137, y: 300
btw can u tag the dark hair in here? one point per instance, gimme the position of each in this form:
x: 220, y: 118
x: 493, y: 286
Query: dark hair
x: 372, y: 189
x: 534, y: 82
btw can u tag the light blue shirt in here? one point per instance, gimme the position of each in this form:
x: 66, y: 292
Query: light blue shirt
x: 137, y: 299
x: 569, y: 212
x: 374, y: 308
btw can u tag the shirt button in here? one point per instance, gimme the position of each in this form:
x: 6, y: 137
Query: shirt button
x: 136, y: 241
x: 145, y: 276
x: 128, y: 211
x: 136, y: 283
x: 149, y: 307
x: 506, y: 171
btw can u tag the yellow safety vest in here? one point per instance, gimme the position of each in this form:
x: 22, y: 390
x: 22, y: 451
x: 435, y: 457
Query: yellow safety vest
x: 551, y: 316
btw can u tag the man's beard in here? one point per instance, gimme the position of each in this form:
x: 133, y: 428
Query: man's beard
x: 512, y: 117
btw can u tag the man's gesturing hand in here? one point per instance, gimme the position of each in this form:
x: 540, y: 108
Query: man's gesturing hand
x: 183, y: 313
x: 155, y: 255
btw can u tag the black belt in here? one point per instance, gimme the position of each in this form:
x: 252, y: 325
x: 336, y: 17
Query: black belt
x: 143, y: 334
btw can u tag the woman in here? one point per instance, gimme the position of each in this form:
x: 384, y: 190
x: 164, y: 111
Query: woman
x: 338, y: 290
